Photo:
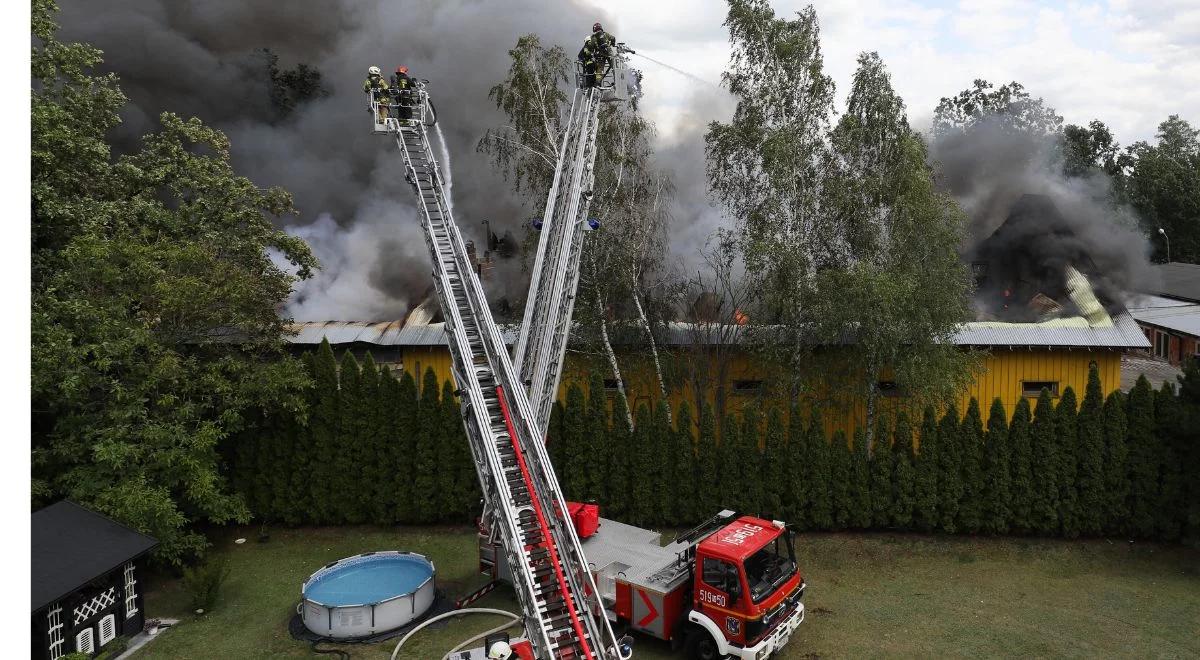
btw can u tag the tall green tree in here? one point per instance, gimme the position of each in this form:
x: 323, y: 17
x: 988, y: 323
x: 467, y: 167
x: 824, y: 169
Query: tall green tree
x: 748, y: 466
x: 728, y: 455
x: 1143, y: 460
x: 406, y: 431
x: 644, y: 475
x: 348, y: 461
x: 142, y: 266
x: 882, y: 466
x: 373, y: 451
x: 681, y: 465
x: 840, y: 495
x: 665, y: 460
x: 820, y: 501
x: 427, y: 499
x: 464, y: 496
x: 1022, y: 488
x: 325, y: 424
x: 892, y: 248
x: 1189, y: 459
x: 997, y: 472
x: 598, y: 437
x: 707, y: 465
x: 774, y: 468
x: 1164, y: 188
x: 1115, y: 465
x: 970, y: 440
x: 1008, y: 108
x: 1090, y: 457
x: 1045, y: 467
x: 766, y: 165
x: 1167, y: 429
x: 577, y: 451
x: 860, y: 481
x: 904, y: 474
x: 925, y: 505
x: 1068, y: 470
x: 950, y: 487
x: 796, y: 497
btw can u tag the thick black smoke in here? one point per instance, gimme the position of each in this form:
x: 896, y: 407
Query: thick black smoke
x: 199, y: 57
x: 989, y: 168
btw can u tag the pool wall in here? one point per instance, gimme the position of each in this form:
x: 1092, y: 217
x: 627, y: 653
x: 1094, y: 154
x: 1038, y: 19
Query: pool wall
x: 368, y: 618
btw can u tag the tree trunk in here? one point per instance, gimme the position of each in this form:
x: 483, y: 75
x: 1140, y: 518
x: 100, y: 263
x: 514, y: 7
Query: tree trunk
x: 612, y: 360
x: 662, y: 385
x: 872, y: 399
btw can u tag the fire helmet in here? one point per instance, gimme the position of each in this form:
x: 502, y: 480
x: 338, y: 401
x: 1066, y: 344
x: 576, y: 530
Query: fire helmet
x: 401, y: 69
x: 373, y: 71
x: 596, y: 27
x: 500, y: 651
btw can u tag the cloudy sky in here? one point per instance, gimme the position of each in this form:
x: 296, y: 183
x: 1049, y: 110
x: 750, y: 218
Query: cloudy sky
x: 1129, y: 63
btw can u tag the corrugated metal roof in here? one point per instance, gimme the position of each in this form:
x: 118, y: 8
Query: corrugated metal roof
x: 1123, y: 332
x: 385, y: 333
x: 1170, y: 314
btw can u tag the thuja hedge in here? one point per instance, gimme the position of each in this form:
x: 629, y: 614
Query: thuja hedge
x: 384, y: 450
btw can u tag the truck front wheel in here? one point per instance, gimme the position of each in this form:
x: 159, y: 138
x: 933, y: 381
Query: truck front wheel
x: 701, y: 645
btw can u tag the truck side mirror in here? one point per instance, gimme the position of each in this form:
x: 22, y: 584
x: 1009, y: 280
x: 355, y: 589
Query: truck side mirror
x: 733, y: 585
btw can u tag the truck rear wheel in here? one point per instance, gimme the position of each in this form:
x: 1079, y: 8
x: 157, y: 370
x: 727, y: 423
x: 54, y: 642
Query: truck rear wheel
x: 701, y: 645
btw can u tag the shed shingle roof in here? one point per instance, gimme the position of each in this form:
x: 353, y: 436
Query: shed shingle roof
x: 72, y: 546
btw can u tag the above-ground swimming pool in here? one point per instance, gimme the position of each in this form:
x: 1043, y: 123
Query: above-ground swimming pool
x: 367, y: 594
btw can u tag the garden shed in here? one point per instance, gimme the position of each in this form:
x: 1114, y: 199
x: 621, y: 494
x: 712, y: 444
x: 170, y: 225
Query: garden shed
x: 84, y: 581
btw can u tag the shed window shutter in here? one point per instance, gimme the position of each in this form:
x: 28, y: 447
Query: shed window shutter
x: 84, y: 643
x: 108, y: 629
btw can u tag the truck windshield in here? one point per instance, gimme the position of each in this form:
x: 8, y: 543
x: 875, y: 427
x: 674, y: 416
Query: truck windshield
x: 770, y: 567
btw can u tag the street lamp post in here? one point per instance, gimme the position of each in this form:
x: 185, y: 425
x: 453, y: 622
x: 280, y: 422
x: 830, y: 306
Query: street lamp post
x: 1168, y: 240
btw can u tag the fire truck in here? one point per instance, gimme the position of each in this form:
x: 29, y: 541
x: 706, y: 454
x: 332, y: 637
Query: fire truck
x: 729, y: 587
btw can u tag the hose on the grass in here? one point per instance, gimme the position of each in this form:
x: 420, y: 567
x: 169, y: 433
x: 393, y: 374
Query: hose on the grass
x: 342, y: 655
x: 504, y: 626
x: 446, y: 615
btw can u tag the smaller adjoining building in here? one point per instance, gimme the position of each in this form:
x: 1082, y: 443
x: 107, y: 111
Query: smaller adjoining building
x: 1169, y: 314
x: 85, y: 582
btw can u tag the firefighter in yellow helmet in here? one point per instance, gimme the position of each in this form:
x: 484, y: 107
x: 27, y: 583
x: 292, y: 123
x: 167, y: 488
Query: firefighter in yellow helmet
x: 376, y: 89
x: 596, y: 55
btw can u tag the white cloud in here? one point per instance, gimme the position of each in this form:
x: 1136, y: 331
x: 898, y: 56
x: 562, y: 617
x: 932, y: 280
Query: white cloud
x: 1129, y: 63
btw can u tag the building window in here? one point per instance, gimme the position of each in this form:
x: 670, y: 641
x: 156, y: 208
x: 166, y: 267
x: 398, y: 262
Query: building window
x: 108, y: 629
x: 54, y: 626
x: 84, y: 642
x: 889, y: 388
x: 747, y: 386
x: 610, y: 384
x: 1162, y: 344
x: 130, y: 592
x: 1034, y: 388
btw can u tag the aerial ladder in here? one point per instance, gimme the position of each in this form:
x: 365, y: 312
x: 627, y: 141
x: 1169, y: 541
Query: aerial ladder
x: 563, y: 615
x: 546, y: 325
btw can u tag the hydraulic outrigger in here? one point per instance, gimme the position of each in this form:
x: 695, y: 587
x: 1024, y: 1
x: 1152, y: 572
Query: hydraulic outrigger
x: 563, y: 616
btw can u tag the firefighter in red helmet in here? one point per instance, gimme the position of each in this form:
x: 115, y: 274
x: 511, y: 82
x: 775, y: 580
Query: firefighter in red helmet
x: 401, y: 86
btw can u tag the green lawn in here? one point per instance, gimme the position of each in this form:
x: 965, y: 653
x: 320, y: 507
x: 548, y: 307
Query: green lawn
x: 869, y: 595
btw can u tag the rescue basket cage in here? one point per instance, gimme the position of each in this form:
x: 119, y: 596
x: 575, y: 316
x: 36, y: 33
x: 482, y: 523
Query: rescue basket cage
x: 610, y: 64
x: 414, y: 103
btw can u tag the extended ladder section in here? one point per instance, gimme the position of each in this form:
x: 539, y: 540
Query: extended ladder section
x: 545, y: 329
x: 564, y: 617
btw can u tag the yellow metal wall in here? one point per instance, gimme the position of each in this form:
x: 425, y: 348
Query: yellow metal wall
x: 1001, y: 375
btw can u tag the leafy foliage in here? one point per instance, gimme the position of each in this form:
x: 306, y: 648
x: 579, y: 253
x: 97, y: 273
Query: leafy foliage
x: 143, y: 269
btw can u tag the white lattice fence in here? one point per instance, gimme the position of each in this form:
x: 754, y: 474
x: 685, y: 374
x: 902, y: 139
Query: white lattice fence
x: 95, y: 605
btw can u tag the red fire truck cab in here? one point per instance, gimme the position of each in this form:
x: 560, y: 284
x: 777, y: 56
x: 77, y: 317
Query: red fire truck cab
x: 728, y: 588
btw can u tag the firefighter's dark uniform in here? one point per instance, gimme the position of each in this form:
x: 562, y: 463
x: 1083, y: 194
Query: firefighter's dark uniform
x: 596, y: 56
x: 377, y: 87
x: 401, y: 84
